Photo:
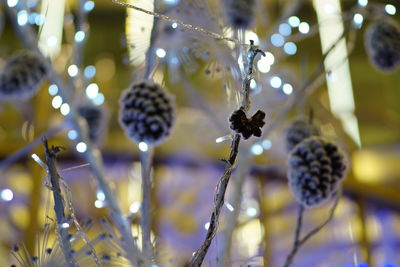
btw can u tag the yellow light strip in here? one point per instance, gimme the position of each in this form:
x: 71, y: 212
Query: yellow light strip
x: 339, y: 80
x: 50, y: 38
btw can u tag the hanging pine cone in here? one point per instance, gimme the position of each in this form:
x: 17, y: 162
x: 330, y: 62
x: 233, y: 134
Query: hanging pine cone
x: 316, y: 167
x: 297, y: 131
x: 95, y: 118
x: 239, y: 13
x: 21, y: 76
x: 382, y: 41
x: 147, y: 113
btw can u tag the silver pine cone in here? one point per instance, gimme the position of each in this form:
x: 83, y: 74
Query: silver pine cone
x: 297, y: 131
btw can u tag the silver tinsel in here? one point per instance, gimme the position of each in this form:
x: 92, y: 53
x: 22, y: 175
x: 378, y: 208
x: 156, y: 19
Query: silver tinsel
x: 382, y: 41
x: 21, y: 76
x: 239, y: 13
x: 147, y: 113
x: 297, y: 131
x: 316, y: 168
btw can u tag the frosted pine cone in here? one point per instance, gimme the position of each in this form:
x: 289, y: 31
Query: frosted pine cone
x: 316, y: 168
x: 299, y: 130
x: 21, y: 76
x: 95, y: 119
x: 147, y: 113
x: 382, y: 41
x: 239, y: 13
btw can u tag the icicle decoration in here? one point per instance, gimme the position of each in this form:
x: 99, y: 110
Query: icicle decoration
x: 21, y: 76
x: 297, y: 131
x: 239, y: 13
x: 316, y: 168
x: 147, y: 113
x: 382, y: 42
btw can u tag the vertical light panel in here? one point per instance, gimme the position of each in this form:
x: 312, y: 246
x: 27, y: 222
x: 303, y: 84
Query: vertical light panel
x: 339, y: 80
x: 51, y: 31
x: 138, y: 30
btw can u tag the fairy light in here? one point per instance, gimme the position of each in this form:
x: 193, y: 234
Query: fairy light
x: 264, y: 63
x: 65, y: 109
x: 143, y: 147
x: 81, y: 147
x: 39, y: 19
x: 390, y: 9
x: 12, y: 3
x: 251, y: 212
x: 134, y: 207
x: 290, y: 48
x: 266, y: 144
x: 72, y: 134
x: 285, y: 29
x: 174, y: 25
x: 277, y: 40
x: 53, y: 89
x: 88, y: 6
x: 57, y: 102
x: 99, y: 99
x: 223, y: 138
x: 256, y: 149
x: 79, y: 36
x: 100, y: 195
x: 287, y: 88
x: 363, y: 3
x: 294, y: 21
x: 161, y: 53
x: 358, y: 20
x: 207, y: 225
x: 72, y: 70
x: 171, y: 2
x: 92, y: 90
x: 99, y: 204
x: 250, y: 35
x: 275, y: 82
x: 65, y: 225
x: 253, y: 84
x: 7, y: 194
x: 304, y: 27
x: 229, y: 206
x: 38, y: 161
x: 89, y: 72
x: 22, y: 17
x: 51, y: 41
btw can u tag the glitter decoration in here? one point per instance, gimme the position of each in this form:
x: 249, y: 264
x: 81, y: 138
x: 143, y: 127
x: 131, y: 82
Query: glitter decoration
x: 382, y: 42
x: 239, y: 13
x: 316, y: 168
x: 21, y: 76
x: 297, y: 131
x: 147, y: 113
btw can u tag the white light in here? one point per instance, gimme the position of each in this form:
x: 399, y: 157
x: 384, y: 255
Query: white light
x: 275, y: 82
x: 207, y: 225
x: 134, y: 207
x: 65, y: 109
x: 81, y: 147
x: 252, y: 36
x: 56, y: 102
x: 143, y: 147
x: 161, y: 53
x: 263, y: 65
x: 92, y: 90
x: 100, y: 195
x: 12, y: 3
x: 277, y: 40
x: 285, y: 29
x: 223, y: 138
x: 79, y: 36
x: 287, y: 88
x: 88, y: 6
x: 251, y: 212
x: 51, y: 41
x: 229, y: 206
x: 363, y: 2
x: 39, y: 19
x: 267, y: 144
x: 7, y: 194
x: 390, y: 9
x: 174, y: 25
x: 65, y: 225
x: 53, y: 89
x: 99, y: 204
x: 73, y: 70
x: 304, y: 27
x: 358, y: 19
x: 72, y: 134
x: 294, y: 21
x: 290, y: 48
x: 256, y: 149
x: 253, y: 84
x: 89, y: 72
x: 171, y: 2
x: 99, y: 99
x: 22, y: 17
x: 39, y: 161
x: 32, y: 17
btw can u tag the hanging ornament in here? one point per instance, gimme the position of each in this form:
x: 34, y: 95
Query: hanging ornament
x: 297, y: 131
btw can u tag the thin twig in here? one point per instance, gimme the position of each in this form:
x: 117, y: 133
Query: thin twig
x: 222, y: 185
x: 62, y: 231
x: 298, y: 242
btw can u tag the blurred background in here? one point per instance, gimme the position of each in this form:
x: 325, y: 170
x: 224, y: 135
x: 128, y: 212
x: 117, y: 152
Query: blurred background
x: 366, y: 228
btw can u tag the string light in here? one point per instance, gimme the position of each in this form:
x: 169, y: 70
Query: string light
x: 229, y: 206
x: 88, y: 6
x: 57, y: 102
x: 285, y: 29
x: 358, y: 20
x: 92, y: 90
x: 72, y: 134
x: 99, y: 99
x: 161, y: 53
x: 275, y: 82
x: 22, y: 17
x: 143, y: 147
x: 12, y: 3
x: 277, y: 40
x: 363, y: 3
x: 65, y: 109
x: 81, y: 147
x: 100, y: 195
x: 294, y: 21
x: 290, y: 48
x: 73, y: 70
x: 256, y: 149
x: 304, y: 27
x: 53, y: 89
x: 7, y: 194
x: 134, y: 207
x: 287, y: 88
x: 390, y: 9
x: 207, y: 225
x: 79, y: 36
x: 99, y: 204
x: 266, y: 144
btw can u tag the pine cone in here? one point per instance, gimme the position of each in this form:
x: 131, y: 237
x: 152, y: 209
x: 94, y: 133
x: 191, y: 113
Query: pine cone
x: 316, y: 168
x: 382, y: 41
x: 297, y: 131
x: 21, y: 76
x: 239, y: 13
x: 95, y: 119
x: 247, y: 127
x: 147, y: 113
